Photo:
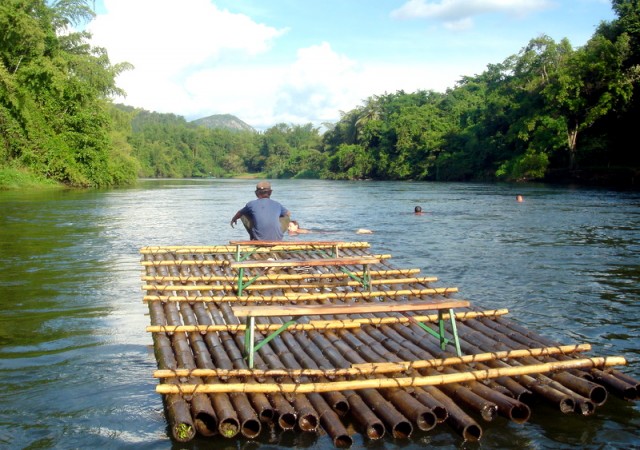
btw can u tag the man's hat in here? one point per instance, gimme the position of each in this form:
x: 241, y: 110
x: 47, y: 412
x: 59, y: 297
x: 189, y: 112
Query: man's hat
x: 263, y: 186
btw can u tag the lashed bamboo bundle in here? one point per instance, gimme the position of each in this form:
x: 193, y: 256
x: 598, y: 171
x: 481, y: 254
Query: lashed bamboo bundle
x: 381, y: 369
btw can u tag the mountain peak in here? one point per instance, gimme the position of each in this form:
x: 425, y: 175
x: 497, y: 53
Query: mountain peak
x: 226, y: 121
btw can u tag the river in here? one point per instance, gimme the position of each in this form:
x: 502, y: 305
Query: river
x: 76, y: 361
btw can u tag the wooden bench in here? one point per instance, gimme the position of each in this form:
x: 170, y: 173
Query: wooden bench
x: 340, y: 262
x: 253, y: 311
x: 251, y: 247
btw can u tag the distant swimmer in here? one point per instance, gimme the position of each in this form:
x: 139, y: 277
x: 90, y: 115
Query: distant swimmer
x: 519, y: 198
x: 364, y: 231
x: 417, y: 210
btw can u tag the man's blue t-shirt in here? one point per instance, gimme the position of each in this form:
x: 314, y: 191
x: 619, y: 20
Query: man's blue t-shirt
x: 265, y: 214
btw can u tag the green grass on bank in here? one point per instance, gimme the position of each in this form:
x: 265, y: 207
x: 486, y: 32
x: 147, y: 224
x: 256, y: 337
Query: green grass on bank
x: 11, y: 179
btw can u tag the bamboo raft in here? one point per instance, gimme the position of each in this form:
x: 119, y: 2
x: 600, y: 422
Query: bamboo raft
x: 325, y: 364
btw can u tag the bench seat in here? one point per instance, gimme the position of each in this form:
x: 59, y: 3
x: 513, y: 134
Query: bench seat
x: 342, y: 262
x: 253, y: 311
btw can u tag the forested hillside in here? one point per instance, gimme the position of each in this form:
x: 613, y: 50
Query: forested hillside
x: 54, y: 90
x: 551, y: 112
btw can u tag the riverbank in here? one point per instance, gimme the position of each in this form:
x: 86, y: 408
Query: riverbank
x: 13, y: 179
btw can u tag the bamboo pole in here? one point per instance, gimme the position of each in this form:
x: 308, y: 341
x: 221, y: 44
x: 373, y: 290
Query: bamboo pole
x: 303, y: 412
x: 229, y: 423
x: 325, y: 324
x: 377, y: 367
x: 586, y: 405
x: 363, y: 415
x: 480, y: 397
x: 383, y: 383
x: 299, y: 286
x: 623, y: 386
x: 300, y: 297
x: 273, y: 277
x: 399, y: 426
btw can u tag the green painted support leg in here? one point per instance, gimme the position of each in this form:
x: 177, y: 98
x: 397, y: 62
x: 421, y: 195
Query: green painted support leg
x: 454, y: 331
x: 250, y: 348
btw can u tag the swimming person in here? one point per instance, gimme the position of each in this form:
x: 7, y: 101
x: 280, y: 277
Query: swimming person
x: 265, y: 219
x: 294, y: 228
x: 417, y: 210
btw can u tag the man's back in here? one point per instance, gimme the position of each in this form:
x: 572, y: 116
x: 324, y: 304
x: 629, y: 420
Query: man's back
x: 264, y: 214
x: 264, y: 219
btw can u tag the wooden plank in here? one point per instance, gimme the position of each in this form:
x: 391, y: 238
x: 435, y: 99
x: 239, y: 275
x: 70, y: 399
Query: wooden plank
x: 303, y: 310
x: 326, y: 324
x: 290, y: 243
x: 232, y: 248
x: 342, y: 261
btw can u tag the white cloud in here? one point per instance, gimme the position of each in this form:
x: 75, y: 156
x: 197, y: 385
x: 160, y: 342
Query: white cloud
x: 167, y: 40
x: 458, y: 14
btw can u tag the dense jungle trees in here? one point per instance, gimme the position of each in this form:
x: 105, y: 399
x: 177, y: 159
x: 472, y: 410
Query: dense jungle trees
x: 54, y: 87
x: 550, y: 112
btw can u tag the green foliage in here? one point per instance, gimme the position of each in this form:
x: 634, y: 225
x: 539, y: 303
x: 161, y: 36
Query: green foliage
x: 527, y: 167
x: 54, y: 96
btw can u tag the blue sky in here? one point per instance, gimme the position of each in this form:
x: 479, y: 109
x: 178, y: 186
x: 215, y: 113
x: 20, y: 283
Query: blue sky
x: 305, y: 61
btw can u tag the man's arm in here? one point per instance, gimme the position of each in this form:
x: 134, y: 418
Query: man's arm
x: 235, y: 218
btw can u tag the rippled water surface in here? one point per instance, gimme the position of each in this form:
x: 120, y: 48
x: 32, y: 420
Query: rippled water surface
x: 76, y: 361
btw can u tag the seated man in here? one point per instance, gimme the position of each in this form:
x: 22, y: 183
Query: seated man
x: 265, y: 219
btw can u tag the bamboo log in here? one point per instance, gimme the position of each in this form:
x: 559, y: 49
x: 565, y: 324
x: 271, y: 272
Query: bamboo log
x: 593, y: 391
x: 300, y: 297
x: 565, y: 403
x: 377, y: 367
x: 228, y: 421
x: 273, y: 277
x: 299, y: 286
x: 308, y: 419
x: 615, y: 384
x: 486, y: 401
x: 326, y: 324
x: 183, y: 428
x: 573, y: 388
x: 331, y: 422
x: 373, y: 427
x: 434, y: 380
x: 399, y: 426
x: 509, y: 407
x: 456, y: 417
x: 439, y: 410
x: 624, y: 389
x: 396, y: 344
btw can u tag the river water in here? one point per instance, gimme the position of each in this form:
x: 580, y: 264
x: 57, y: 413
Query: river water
x: 76, y: 361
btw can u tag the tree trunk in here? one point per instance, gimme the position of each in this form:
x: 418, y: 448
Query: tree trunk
x: 572, y: 138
